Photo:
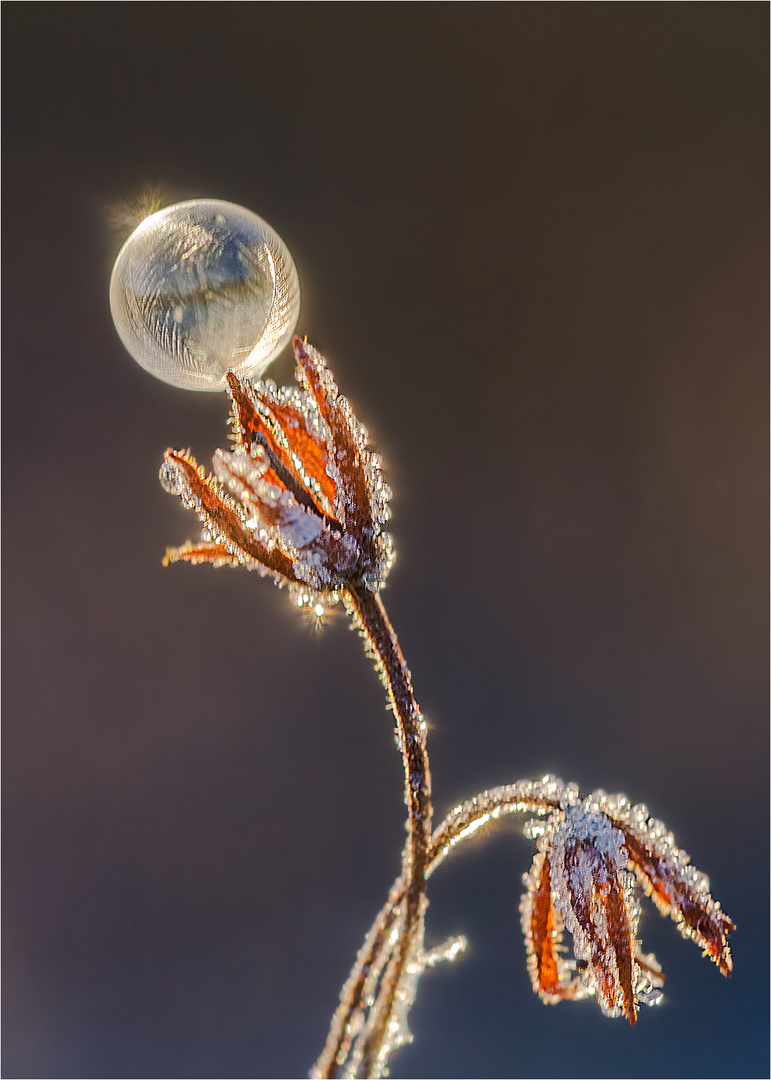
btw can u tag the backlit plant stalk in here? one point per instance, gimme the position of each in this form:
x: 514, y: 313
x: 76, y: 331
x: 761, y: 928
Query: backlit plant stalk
x: 301, y: 498
x: 368, y: 612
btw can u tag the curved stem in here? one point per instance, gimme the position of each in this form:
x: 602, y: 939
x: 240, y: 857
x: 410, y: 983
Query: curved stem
x: 348, y: 1020
x: 461, y: 824
x: 525, y: 796
x: 368, y: 612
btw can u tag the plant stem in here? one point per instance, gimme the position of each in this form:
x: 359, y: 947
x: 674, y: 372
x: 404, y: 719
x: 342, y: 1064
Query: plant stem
x: 368, y: 612
x: 459, y: 825
x: 349, y: 1016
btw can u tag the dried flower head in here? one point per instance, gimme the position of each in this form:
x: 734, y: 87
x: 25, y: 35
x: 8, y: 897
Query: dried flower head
x: 592, y: 856
x: 300, y: 497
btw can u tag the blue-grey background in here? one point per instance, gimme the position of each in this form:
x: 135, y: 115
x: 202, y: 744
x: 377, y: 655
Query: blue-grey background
x: 532, y: 242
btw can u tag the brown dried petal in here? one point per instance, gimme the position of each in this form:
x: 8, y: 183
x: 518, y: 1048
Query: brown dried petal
x: 589, y: 876
x: 679, y: 891
x: 216, y: 554
x: 352, y: 502
x: 543, y: 934
x: 284, y: 430
x: 222, y: 516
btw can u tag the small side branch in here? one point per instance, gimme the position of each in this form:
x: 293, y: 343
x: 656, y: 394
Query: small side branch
x: 525, y: 796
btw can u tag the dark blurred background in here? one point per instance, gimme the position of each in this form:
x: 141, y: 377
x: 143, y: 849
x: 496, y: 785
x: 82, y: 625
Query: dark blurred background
x: 532, y: 244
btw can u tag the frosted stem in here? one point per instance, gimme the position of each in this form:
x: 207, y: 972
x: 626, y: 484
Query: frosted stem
x: 348, y: 1020
x: 463, y: 821
x: 368, y: 612
x: 459, y: 825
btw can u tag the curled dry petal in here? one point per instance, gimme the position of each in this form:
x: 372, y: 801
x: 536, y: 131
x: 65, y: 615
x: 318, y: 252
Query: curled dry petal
x: 223, y: 519
x: 299, y: 496
x: 676, y: 887
x: 543, y: 927
x: 594, y: 889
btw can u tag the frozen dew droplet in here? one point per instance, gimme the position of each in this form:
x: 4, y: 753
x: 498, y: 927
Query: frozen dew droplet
x: 201, y: 288
x: 170, y: 479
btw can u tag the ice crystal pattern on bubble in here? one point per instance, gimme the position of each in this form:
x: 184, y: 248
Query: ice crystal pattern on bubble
x: 301, y: 498
x: 203, y: 287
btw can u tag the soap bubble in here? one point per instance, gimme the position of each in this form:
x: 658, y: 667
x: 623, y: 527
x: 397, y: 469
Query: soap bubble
x: 202, y: 288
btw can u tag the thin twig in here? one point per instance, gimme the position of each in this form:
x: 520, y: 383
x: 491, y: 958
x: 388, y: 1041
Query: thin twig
x: 348, y: 1019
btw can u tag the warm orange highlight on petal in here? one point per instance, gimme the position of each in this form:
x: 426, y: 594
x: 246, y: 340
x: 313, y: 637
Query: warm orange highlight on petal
x: 309, y: 450
x: 217, y: 554
x: 251, y: 427
x: 226, y: 520
x: 543, y: 935
x: 355, y: 494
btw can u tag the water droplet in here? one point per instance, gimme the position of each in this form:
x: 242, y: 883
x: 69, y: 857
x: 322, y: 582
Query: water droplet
x: 170, y: 479
x: 201, y: 288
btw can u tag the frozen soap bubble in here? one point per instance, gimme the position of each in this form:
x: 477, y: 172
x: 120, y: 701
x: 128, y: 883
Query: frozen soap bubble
x: 201, y: 288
